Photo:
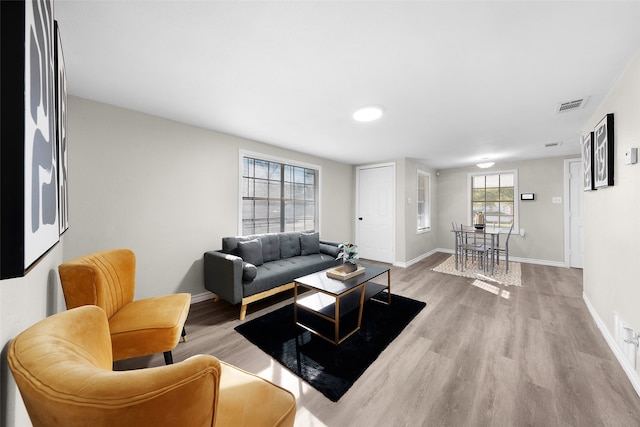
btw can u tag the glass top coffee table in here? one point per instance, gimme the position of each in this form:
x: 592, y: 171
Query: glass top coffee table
x: 330, y: 301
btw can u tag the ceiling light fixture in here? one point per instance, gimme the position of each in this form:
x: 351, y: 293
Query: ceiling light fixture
x: 368, y: 114
x: 485, y: 165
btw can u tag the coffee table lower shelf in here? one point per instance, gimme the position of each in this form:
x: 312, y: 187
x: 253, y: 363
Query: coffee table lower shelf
x: 335, y: 318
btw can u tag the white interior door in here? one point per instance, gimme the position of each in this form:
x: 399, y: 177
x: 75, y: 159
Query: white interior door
x: 575, y: 240
x: 375, y: 212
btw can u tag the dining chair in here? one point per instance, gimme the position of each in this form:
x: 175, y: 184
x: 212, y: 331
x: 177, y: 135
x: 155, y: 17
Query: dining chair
x: 474, y: 243
x: 457, y: 235
x: 498, y: 249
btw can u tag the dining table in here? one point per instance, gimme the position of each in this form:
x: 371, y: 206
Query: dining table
x: 463, y: 233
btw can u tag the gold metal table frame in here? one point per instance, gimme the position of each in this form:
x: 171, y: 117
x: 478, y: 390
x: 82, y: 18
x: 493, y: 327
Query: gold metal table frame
x: 331, y: 299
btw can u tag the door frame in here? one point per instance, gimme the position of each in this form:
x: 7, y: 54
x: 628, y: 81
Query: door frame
x: 393, y: 203
x: 567, y: 210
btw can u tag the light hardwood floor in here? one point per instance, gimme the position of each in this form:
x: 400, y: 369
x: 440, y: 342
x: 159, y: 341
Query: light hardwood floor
x: 532, y: 357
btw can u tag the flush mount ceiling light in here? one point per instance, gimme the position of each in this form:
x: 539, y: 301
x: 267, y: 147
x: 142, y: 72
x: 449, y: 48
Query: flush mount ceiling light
x: 368, y: 114
x: 485, y: 165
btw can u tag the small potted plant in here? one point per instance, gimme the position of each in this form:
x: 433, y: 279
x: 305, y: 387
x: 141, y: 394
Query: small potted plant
x: 349, y: 256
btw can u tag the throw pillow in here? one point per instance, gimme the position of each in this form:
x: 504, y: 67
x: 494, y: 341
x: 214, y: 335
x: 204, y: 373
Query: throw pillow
x: 289, y: 244
x: 251, y: 251
x: 249, y: 271
x: 309, y: 243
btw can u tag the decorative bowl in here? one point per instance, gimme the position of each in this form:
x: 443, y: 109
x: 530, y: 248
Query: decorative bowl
x: 479, y: 226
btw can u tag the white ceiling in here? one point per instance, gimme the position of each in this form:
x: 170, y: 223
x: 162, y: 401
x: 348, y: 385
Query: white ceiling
x: 459, y: 80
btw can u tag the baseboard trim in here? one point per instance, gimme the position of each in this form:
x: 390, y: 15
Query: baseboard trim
x: 515, y: 259
x: 202, y: 297
x: 626, y: 365
x: 415, y: 260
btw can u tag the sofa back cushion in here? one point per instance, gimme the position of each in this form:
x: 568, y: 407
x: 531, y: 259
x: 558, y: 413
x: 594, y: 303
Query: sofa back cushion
x: 309, y: 243
x: 289, y: 244
x: 251, y: 251
x: 270, y: 245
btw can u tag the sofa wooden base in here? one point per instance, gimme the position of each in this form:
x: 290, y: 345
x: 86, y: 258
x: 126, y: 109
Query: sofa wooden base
x: 257, y: 297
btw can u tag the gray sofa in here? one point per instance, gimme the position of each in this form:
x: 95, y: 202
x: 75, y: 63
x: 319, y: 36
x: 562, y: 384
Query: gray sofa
x: 249, y: 268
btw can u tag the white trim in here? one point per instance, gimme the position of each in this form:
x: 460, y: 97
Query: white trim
x: 516, y: 197
x: 417, y: 259
x: 567, y: 221
x: 393, y: 201
x: 242, y: 153
x: 428, y: 202
x: 205, y: 296
x: 624, y: 362
x: 567, y: 213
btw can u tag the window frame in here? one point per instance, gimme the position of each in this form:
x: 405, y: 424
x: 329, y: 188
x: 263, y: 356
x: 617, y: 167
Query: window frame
x: 516, y: 200
x: 283, y: 161
x: 427, y: 201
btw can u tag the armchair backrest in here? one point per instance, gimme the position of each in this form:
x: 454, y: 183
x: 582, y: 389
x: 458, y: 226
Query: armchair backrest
x: 62, y: 366
x: 105, y: 279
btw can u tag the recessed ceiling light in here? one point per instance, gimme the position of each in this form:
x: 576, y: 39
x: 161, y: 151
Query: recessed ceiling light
x: 368, y: 114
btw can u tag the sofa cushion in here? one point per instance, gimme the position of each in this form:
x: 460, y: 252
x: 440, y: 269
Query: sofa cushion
x: 309, y: 243
x: 270, y: 247
x: 251, y: 251
x: 286, y: 270
x: 289, y: 244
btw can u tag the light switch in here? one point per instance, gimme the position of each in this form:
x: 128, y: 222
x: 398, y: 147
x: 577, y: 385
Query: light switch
x: 631, y: 156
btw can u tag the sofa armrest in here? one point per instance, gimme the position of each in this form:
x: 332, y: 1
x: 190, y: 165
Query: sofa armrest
x: 223, y: 275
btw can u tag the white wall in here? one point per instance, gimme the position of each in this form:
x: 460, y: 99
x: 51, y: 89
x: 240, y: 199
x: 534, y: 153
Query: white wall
x: 611, y: 215
x: 168, y: 191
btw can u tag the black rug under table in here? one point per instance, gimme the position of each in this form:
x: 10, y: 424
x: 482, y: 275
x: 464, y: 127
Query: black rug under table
x: 331, y: 369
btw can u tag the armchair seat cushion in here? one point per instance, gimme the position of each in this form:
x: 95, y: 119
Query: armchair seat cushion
x: 148, y: 326
x: 239, y: 392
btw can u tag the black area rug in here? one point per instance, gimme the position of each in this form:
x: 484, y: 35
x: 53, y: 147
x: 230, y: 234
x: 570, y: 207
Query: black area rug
x: 331, y: 369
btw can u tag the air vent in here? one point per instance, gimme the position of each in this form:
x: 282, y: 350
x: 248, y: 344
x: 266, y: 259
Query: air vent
x: 571, y: 105
x: 552, y: 144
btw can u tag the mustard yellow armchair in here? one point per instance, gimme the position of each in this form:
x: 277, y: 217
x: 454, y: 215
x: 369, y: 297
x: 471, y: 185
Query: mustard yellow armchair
x: 63, y: 372
x: 138, y: 328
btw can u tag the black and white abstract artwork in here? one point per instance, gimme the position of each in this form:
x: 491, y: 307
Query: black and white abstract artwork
x: 41, y: 226
x: 587, y: 161
x: 603, y: 155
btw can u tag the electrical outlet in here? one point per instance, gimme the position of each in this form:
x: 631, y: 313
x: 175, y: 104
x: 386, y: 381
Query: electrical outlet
x: 556, y: 199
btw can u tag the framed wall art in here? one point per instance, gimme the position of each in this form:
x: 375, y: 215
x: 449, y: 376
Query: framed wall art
x: 603, y: 155
x: 61, y: 132
x: 587, y: 161
x: 29, y: 215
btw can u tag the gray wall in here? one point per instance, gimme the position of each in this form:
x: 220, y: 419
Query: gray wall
x: 168, y: 191
x: 23, y: 302
x: 415, y: 244
x: 542, y: 220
